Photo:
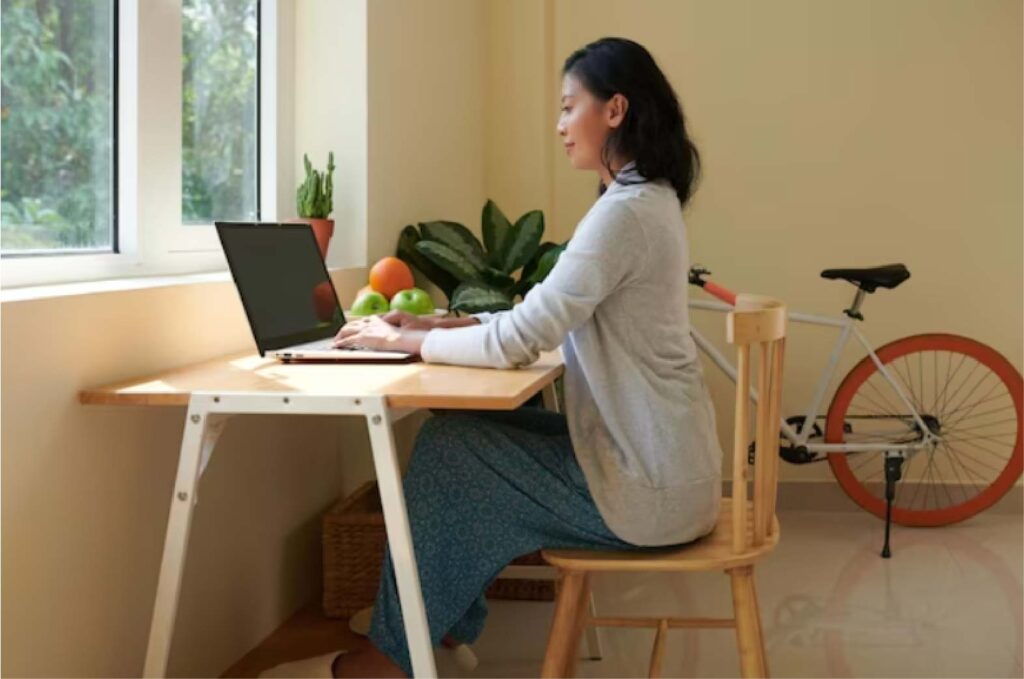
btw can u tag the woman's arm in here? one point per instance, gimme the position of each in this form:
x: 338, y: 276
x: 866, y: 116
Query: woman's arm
x: 608, y: 250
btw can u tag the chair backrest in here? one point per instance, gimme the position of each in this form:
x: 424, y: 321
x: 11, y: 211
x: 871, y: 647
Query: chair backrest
x: 761, y: 322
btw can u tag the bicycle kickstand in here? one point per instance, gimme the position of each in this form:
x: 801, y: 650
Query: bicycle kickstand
x: 893, y: 473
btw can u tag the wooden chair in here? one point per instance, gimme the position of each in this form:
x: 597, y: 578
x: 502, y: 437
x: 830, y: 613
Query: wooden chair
x: 747, y: 529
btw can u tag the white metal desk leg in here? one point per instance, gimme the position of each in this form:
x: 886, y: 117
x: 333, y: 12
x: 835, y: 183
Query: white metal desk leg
x: 396, y: 519
x: 197, y: 442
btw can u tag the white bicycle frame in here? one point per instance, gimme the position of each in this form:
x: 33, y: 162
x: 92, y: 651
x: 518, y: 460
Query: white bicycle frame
x: 846, y: 328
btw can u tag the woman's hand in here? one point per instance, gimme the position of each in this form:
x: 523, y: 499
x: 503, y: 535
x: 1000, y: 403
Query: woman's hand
x: 403, y: 319
x: 373, y: 332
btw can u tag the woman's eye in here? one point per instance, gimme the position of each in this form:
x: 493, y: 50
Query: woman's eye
x: 565, y: 109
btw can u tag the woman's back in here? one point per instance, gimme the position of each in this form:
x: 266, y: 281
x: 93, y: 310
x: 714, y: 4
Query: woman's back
x: 639, y: 412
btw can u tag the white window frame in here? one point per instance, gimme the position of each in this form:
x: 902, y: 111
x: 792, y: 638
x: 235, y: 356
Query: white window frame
x: 152, y: 241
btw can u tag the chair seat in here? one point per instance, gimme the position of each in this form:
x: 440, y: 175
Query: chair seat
x: 711, y: 552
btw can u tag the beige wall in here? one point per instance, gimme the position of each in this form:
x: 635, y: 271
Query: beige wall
x: 426, y: 133
x: 833, y: 134
x: 329, y: 113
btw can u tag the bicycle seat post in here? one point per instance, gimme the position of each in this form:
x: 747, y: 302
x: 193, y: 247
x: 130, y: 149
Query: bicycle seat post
x: 854, y: 310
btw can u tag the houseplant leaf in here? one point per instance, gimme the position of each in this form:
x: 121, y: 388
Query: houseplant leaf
x: 498, y: 279
x: 541, y: 267
x: 496, y: 229
x: 523, y: 241
x: 408, y: 253
x: 458, y: 238
x: 450, y: 260
x: 473, y: 298
x: 531, y: 266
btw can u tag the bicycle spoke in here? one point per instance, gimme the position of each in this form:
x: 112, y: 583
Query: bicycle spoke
x: 995, y: 438
x: 950, y: 395
x: 964, y: 400
x: 949, y: 381
x: 907, y: 382
x: 978, y: 403
x: 979, y: 463
x: 934, y: 481
x: 960, y: 483
x: 982, y: 426
x: 920, y: 376
x: 867, y: 459
x: 967, y: 470
x: 918, y: 489
x: 981, y: 448
x: 945, y: 487
x: 971, y: 409
x: 887, y: 409
x: 1005, y: 428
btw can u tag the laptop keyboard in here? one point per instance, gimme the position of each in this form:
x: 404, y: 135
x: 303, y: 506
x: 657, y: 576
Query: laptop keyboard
x: 327, y: 345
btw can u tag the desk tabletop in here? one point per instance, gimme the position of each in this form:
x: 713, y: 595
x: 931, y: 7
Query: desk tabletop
x: 408, y: 385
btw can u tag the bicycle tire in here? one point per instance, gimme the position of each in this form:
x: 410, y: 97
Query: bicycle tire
x: 955, y: 449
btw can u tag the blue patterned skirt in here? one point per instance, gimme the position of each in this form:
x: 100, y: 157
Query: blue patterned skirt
x: 483, y: 488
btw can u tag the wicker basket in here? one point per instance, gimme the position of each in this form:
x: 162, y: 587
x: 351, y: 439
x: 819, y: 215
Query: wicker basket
x: 353, y: 545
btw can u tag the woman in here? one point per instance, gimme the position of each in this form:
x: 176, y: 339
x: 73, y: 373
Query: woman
x: 636, y: 462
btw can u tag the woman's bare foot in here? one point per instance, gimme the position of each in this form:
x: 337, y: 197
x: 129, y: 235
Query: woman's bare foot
x: 366, y: 662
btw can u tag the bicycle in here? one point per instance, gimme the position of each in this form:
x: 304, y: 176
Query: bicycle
x: 880, y: 410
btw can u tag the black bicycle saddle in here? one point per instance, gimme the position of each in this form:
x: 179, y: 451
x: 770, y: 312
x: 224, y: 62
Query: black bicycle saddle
x: 887, y: 276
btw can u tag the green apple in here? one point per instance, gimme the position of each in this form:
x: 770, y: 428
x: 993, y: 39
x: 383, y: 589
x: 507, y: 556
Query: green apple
x: 370, y: 303
x: 413, y: 301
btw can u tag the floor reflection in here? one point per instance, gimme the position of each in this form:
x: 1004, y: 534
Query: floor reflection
x: 948, y: 604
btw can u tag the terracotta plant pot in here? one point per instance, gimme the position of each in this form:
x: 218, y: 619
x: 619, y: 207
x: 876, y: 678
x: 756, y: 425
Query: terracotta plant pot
x: 323, y: 229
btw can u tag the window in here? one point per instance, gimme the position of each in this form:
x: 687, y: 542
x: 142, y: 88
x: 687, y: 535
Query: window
x: 220, y: 104
x: 58, y: 88
x: 128, y: 127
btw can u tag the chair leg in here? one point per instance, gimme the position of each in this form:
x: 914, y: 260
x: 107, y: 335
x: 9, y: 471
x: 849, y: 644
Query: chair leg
x: 748, y: 623
x: 561, y: 646
x: 593, y: 635
x: 580, y: 625
x: 760, y: 627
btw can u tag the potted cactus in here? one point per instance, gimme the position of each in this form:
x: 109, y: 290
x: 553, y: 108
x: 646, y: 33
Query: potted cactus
x: 315, y: 201
x: 479, y: 276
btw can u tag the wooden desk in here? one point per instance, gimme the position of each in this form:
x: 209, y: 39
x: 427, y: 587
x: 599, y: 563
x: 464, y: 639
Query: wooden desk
x: 248, y: 384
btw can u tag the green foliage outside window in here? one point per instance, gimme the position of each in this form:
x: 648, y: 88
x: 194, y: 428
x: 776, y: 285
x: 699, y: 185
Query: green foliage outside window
x: 57, y: 110
x: 219, y: 74
x: 56, y: 78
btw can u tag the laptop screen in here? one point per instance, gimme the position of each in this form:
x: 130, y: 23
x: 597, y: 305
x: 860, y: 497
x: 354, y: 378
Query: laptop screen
x: 283, y: 283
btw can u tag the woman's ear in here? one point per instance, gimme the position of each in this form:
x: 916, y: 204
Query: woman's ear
x: 615, y: 110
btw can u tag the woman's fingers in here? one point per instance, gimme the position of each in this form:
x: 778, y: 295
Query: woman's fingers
x: 351, y: 328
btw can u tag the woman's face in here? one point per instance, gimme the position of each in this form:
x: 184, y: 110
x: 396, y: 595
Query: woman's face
x: 585, y: 123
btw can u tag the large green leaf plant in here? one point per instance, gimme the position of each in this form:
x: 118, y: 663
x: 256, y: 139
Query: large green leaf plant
x: 479, y: 276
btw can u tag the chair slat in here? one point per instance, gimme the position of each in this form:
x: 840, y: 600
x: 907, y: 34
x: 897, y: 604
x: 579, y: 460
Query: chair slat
x: 776, y: 409
x: 739, y: 452
x: 762, y: 445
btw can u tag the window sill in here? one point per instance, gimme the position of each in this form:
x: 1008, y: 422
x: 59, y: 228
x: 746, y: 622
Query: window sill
x: 41, y: 292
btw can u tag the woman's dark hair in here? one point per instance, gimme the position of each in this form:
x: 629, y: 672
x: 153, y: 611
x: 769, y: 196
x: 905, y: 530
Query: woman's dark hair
x: 653, y: 132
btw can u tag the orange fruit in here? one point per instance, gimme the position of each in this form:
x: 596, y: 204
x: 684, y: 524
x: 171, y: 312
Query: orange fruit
x: 391, y: 275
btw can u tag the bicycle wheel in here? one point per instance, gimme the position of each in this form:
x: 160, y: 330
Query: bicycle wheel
x: 965, y: 392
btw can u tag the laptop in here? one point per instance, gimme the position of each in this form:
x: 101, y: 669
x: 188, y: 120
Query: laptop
x: 288, y: 296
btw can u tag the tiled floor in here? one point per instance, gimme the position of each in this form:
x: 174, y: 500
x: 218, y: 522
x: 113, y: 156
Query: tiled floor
x: 948, y: 604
